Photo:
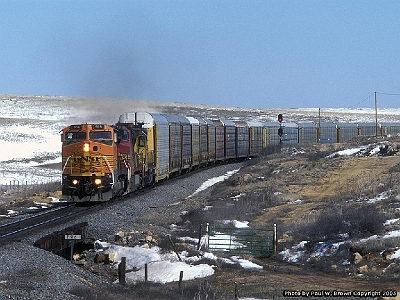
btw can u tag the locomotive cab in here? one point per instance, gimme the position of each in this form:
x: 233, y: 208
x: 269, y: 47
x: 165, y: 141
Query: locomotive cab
x: 90, y: 171
x: 141, y: 157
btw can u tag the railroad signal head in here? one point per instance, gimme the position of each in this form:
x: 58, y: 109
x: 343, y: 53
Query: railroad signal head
x: 280, y: 118
x: 280, y: 131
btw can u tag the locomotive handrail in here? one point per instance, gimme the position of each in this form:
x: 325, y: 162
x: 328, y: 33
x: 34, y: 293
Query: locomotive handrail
x: 109, y: 167
x: 128, y: 168
x: 65, y: 165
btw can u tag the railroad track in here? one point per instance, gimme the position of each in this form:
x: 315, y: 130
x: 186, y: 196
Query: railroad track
x: 17, y: 229
x: 23, y: 226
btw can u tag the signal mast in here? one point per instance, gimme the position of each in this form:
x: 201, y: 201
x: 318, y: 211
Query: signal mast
x: 280, y: 129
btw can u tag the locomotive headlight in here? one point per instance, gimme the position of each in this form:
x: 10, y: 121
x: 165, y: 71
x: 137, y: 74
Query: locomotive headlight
x: 97, y: 181
x: 75, y: 182
x: 86, y: 147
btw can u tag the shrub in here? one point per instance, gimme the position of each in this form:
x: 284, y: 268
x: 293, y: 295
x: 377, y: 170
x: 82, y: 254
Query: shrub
x: 315, y: 156
x: 364, y: 220
x: 354, y: 220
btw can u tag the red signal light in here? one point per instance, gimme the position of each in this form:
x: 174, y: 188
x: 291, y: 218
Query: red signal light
x: 280, y: 118
x: 280, y: 131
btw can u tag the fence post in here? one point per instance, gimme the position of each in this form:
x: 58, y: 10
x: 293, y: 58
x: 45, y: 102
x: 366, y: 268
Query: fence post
x: 207, y: 242
x: 275, y: 239
x: 180, y: 287
x: 236, y: 292
x: 145, y: 273
x: 200, y: 235
x: 122, y: 270
x: 173, y: 245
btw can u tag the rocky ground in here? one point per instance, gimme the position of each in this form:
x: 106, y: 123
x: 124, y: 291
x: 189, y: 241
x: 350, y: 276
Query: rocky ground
x: 295, y: 189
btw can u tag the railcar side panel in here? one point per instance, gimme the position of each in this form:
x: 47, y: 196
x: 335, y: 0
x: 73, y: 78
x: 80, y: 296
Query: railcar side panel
x: 230, y: 139
x: 290, y: 134
x: 327, y: 132
x: 390, y: 129
x: 307, y: 133
x: 195, y: 140
x: 175, y: 143
x: 203, y: 140
x: 346, y: 131
x: 219, y: 140
x: 242, y: 139
x: 211, y: 141
x: 186, y: 142
x: 162, y: 147
x: 366, y: 129
x: 271, y: 134
x: 255, y: 138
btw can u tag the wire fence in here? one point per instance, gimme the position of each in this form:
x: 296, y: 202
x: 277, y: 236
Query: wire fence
x: 258, y: 242
x: 18, y: 188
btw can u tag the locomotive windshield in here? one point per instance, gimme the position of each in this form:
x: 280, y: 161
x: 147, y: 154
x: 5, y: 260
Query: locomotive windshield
x: 100, y: 135
x: 75, y: 136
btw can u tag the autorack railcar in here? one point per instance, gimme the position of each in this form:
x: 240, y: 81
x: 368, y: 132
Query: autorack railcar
x: 390, y: 128
x: 307, y: 133
x: 366, y: 129
x: 327, y: 132
x: 195, y: 141
x: 204, y: 152
x: 242, y: 139
x: 211, y: 140
x: 256, y: 140
x: 346, y: 131
x: 219, y: 140
x: 229, y: 139
x: 289, y: 136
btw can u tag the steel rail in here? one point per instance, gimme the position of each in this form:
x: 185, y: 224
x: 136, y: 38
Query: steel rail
x: 36, y: 215
x: 24, y: 225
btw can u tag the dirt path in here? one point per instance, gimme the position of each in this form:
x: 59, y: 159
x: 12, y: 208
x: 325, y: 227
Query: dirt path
x: 281, y: 276
x: 353, y: 174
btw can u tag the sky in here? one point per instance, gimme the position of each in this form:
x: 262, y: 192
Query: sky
x: 249, y: 54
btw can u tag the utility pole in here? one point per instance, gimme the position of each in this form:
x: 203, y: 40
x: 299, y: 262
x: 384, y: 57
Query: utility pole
x: 319, y: 125
x: 376, y: 114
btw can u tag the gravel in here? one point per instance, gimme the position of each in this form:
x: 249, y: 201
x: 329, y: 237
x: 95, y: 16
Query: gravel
x: 27, y: 272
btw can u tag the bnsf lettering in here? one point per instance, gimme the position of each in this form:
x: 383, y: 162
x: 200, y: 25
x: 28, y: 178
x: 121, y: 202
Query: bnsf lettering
x: 88, y: 158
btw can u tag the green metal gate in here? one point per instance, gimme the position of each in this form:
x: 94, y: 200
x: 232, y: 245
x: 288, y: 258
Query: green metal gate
x: 258, y: 242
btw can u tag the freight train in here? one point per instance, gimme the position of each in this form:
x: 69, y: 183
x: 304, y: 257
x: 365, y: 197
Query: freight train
x: 100, y: 161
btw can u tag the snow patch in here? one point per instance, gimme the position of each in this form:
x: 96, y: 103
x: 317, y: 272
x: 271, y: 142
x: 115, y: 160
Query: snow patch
x: 210, y: 182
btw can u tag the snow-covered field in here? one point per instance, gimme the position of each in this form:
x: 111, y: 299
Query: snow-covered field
x: 30, y: 135
x: 28, y: 140
x: 30, y: 146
